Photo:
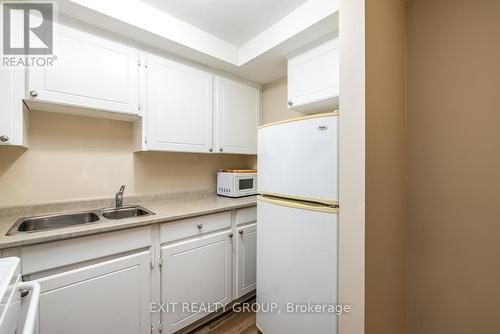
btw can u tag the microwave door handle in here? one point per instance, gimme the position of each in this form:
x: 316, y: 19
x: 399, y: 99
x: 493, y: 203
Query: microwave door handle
x: 30, y: 322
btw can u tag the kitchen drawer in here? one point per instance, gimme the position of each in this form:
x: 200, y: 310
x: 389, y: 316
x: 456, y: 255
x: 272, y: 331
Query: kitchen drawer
x: 246, y: 215
x: 51, y: 255
x: 185, y: 228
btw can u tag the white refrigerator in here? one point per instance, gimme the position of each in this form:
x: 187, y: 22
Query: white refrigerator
x: 297, y: 229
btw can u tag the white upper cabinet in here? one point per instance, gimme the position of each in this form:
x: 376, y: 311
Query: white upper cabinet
x: 12, y: 124
x: 179, y: 107
x: 89, y: 72
x: 237, y: 108
x: 313, y: 78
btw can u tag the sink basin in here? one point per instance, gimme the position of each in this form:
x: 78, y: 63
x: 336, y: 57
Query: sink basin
x: 56, y: 221
x: 125, y: 212
x: 50, y: 222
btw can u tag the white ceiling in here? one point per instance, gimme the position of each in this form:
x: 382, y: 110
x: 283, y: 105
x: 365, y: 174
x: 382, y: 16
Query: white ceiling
x: 235, y: 21
x: 269, y: 31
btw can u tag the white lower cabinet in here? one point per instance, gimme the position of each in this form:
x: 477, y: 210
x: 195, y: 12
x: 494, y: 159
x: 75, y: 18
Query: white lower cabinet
x: 246, y: 261
x: 195, y: 274
x: 103, y: 298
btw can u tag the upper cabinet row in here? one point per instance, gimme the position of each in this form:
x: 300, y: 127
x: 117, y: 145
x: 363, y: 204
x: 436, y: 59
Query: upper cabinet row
x: 191, y: 110
x: 178, y: 107
x: 313, y: 78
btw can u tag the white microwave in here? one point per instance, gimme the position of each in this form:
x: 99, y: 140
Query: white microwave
x: 237, y: 183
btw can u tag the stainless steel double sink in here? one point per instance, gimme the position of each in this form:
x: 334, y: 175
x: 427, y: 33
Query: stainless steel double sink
x: 56, y: 221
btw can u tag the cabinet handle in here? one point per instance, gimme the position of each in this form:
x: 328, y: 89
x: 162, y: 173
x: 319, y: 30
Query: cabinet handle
x: 33, y: 93
x: 200, y: 226
x: 211, y: 149
x: 221, y: 149
x: 290, y: 103
x: 230, y: 235
x: 4, y: 138
x: 240, y: 232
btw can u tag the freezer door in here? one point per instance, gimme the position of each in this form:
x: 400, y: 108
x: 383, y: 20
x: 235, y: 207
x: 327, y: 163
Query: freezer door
x: 297, y: 255
x: 299, y: 159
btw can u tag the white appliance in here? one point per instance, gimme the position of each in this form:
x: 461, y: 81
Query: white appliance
x: 297, y: 214
x: 237, y: 182
x: 18, y: 300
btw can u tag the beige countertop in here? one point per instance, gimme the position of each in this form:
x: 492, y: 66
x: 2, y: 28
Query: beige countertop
x: 165, y: 209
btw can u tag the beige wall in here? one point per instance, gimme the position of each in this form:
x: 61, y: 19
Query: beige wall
x: 453, y: 166
x: 274, y: 102
x: 72, y: 157
x: 385, y: 303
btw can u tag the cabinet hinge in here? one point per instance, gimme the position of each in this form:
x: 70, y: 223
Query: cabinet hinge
x: 139, y: 107
x: 139, y: 63
x: 151, y: 263
x: 160, y: 262
x: 145, y: 140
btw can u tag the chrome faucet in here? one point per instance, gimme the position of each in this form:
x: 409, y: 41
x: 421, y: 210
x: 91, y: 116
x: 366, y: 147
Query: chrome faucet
x: 119, y: 197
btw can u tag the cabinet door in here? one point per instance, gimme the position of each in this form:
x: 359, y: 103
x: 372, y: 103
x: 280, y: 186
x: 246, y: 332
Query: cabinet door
x: 313, y: 77
x: 12, y: 129
x: 108, y: 297
x: 236, y: 116
x: 196, y: 273
x: 89, y: 72
x: 246, y: 263
x: 179, y: 107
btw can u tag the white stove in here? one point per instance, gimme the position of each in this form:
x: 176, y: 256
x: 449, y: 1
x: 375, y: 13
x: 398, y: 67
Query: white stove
x: 18, y: 300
